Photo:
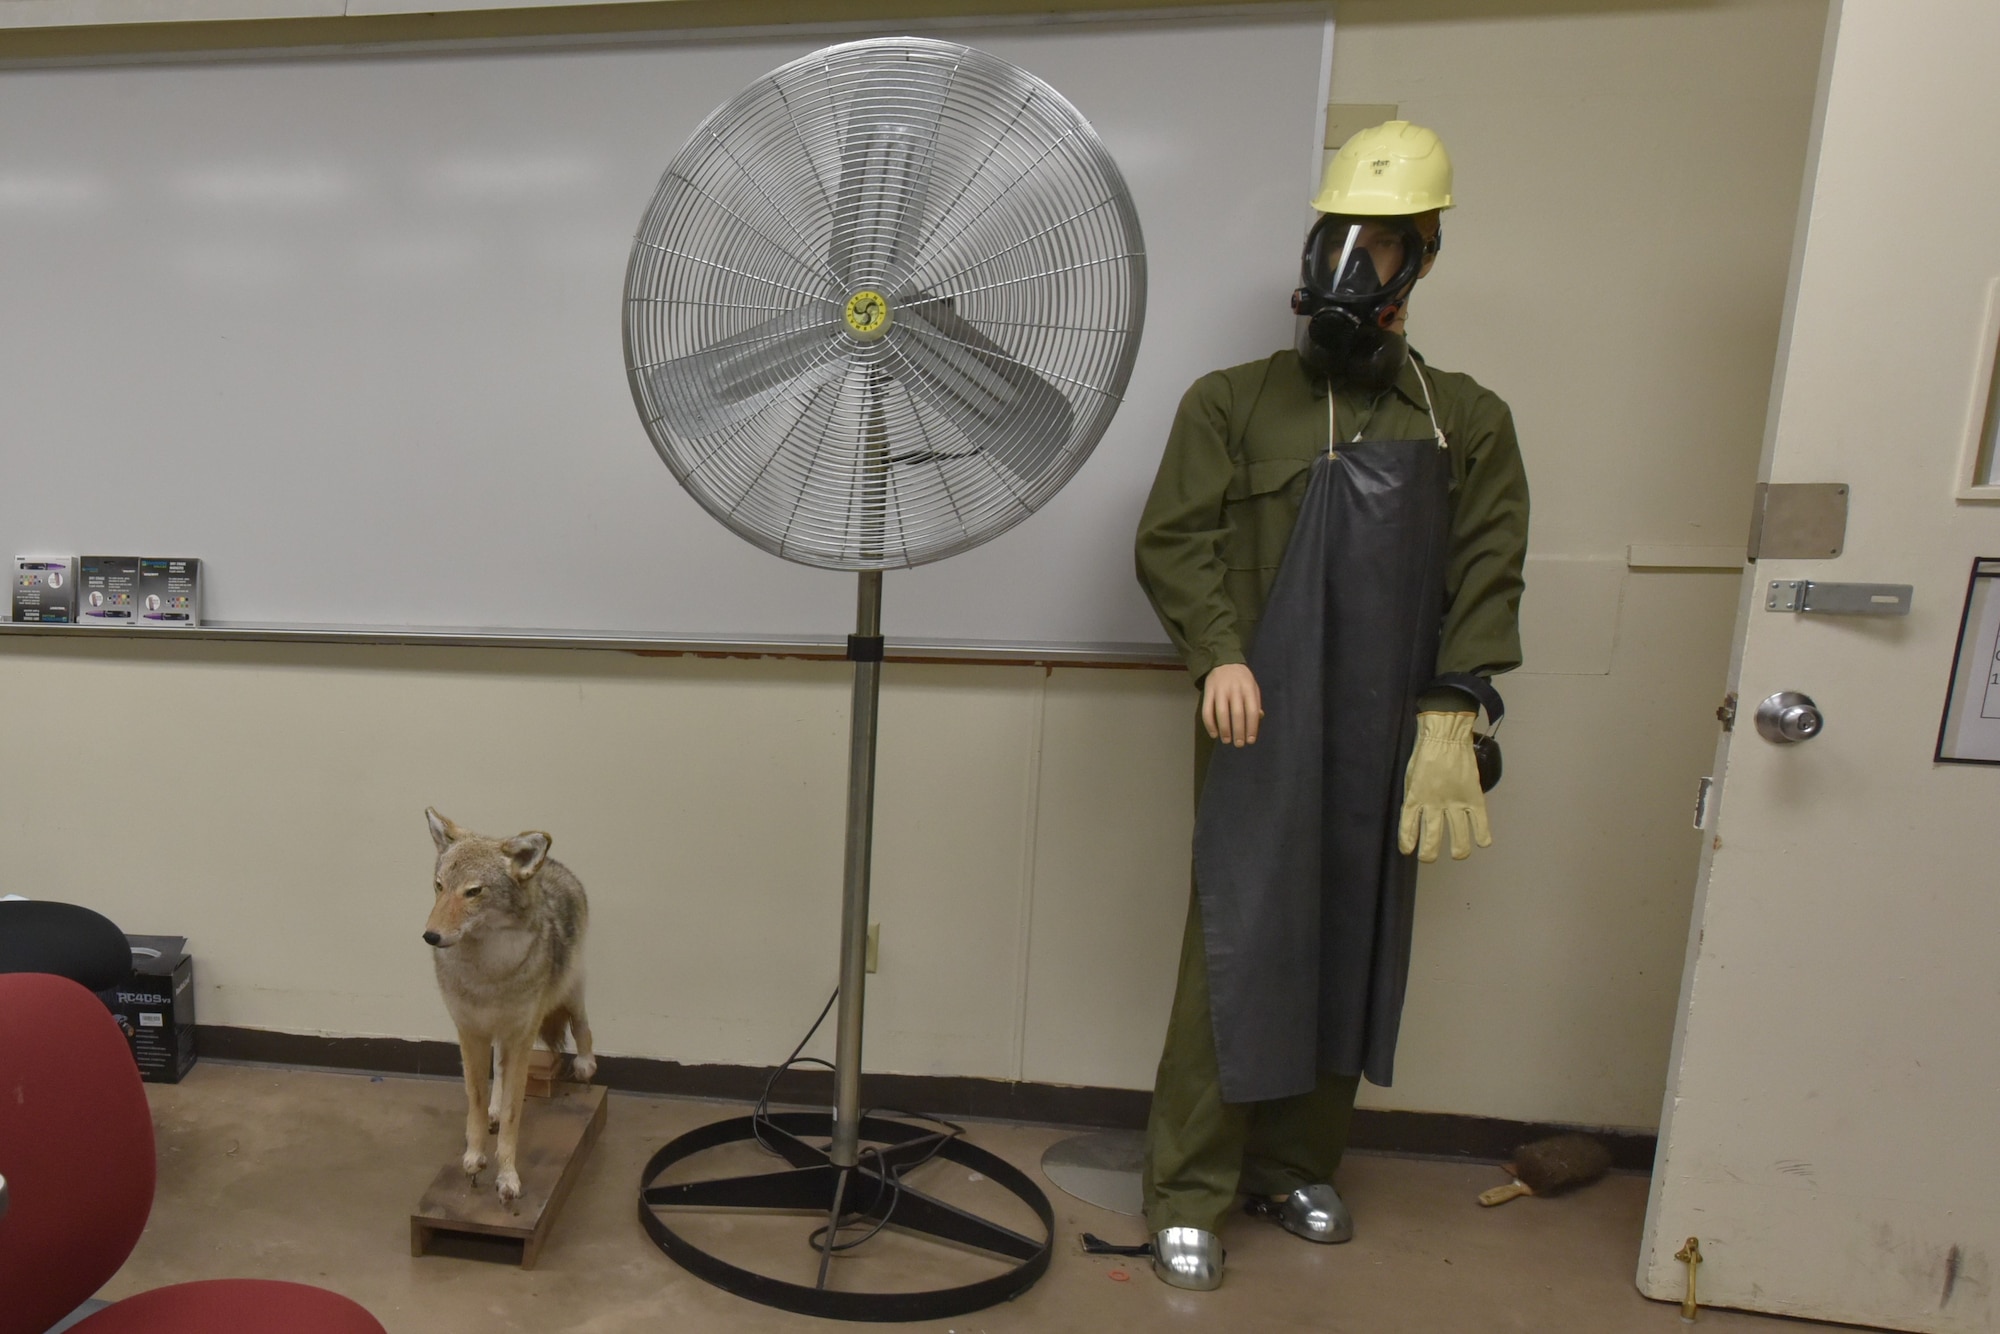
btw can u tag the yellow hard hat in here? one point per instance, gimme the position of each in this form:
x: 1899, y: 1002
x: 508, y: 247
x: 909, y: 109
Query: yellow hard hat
x: 1389, y: 170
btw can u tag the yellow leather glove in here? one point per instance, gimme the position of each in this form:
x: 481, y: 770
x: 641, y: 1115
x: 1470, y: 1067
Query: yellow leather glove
x: 1441, y: 788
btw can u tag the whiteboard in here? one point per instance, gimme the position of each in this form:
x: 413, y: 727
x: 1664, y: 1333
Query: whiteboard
x: 347, y: 329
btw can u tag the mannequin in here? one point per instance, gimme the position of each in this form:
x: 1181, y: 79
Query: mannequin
x: 1334, y: 542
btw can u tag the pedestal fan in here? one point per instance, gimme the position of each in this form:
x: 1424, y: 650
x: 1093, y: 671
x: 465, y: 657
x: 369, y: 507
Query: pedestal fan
x: 882, y: 306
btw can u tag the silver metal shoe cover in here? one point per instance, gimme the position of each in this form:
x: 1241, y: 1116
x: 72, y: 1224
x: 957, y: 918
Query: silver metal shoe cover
x: 1188, y: 1257
x: 1317, y: 1213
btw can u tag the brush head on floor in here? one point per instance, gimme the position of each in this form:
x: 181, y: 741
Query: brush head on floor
x: 1562, y: 1162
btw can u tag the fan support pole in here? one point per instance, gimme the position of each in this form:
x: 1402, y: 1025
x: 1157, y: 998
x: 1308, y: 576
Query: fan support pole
x: 857, y: 1178
x: 865, y: 649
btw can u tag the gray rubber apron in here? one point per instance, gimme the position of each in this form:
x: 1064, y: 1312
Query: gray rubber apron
x: 1306, y: 904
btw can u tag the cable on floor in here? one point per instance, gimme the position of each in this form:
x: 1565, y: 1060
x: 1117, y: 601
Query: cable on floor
x: 760, y: 1119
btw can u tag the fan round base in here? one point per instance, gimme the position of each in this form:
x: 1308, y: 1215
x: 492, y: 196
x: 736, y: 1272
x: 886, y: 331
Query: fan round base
x: 871, y: 1192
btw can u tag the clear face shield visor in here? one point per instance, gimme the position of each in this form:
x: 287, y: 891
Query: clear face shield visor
x: 1363, y: 265
x: 1357, y: 274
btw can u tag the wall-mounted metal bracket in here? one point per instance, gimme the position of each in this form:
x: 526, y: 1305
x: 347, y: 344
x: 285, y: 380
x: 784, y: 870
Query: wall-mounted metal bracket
x: 1798, y: 521
x: 1810, y: 597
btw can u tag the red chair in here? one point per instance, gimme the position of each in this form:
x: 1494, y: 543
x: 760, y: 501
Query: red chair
x: 76, y: 1153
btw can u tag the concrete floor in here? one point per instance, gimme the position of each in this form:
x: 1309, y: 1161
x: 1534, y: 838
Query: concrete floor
x: 311, y: 1176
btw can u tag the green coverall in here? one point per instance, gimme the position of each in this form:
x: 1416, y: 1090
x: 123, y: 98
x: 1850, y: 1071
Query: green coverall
x: 1209, y: 545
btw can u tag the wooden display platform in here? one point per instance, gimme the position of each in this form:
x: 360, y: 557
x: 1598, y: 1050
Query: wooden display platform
x: 545, y: 1071
x: 557, y: 1131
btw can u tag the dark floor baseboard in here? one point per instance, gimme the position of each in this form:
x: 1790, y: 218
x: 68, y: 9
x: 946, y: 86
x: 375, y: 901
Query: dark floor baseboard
x: 1437, y: 1134
x: 1489, y: 1139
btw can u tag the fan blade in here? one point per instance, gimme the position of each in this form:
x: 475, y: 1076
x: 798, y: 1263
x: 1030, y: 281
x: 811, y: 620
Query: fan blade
x: 873, y: 474
x: 880, y: 202
x: 787, y: 356
x: 885, y: 173
x: 1002, y: 407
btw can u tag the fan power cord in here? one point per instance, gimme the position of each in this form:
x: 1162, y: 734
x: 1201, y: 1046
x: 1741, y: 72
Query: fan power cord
x: 760, y: 1118
x: 934, y: 1145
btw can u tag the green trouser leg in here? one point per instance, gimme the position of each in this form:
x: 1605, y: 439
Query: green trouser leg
x: 1201, y: 1150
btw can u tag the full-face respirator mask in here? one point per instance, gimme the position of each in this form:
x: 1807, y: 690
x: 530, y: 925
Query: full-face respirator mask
x: 1357, y: 274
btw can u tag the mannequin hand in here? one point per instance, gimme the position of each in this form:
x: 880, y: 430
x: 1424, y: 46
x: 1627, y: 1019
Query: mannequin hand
x: 1231, y: 704
x: 1441, y: 788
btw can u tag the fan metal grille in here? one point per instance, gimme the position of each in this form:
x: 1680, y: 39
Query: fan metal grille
x: 884, y: 303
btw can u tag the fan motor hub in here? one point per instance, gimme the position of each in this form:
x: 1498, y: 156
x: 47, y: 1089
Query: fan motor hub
x: 867, y: 315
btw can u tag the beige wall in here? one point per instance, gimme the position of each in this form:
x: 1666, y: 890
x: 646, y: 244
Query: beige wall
x: 1629, y: 176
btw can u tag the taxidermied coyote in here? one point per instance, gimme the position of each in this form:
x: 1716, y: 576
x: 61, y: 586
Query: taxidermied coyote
x: 507, y: 938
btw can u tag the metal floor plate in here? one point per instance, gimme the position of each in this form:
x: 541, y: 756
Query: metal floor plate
x: 1101, y: 1168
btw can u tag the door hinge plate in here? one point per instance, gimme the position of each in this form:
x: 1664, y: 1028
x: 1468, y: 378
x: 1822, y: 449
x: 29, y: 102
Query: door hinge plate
x: 1798, y: 521
x: 1811, y: 597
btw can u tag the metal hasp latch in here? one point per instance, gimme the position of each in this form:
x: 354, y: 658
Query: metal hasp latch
x: 1810, y: 597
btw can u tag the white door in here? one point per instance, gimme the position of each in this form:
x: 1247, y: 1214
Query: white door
x: 1831, y: 1132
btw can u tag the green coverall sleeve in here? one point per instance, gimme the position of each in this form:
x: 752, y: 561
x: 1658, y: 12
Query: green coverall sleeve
x: 1489, y: 542
x: 1179, y: 545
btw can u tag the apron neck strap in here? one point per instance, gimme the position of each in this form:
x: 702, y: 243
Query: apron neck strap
x: 1429, y: 406
x: 1430, y: 410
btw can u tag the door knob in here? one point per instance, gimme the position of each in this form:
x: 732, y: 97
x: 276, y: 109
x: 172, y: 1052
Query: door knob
x: 1788, y: 716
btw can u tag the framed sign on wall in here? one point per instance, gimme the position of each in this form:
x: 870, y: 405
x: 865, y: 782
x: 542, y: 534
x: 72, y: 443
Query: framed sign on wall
x: 1970, y: 732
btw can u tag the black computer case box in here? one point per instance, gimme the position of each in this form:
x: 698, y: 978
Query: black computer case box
x: 155, y: 1007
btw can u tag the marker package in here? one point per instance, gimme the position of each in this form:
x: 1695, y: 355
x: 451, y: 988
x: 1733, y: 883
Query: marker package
x: 169, y: 593
x: 44, y: 590
x: 107, y: 590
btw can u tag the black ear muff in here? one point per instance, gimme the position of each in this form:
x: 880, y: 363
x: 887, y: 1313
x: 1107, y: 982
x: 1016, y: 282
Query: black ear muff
x: 1486, y: 754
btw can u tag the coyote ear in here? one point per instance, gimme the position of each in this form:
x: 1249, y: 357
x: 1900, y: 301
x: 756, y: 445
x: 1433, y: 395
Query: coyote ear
x: 525, y: 854
x: 443, y: 832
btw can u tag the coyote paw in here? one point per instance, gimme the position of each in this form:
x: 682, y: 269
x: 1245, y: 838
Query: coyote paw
x: 584, y: 1067
x: 510, y: 1184
x: 473, y: 1161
